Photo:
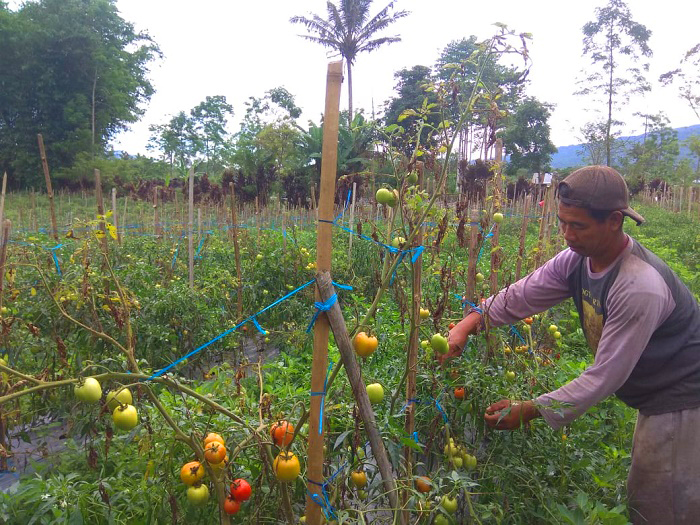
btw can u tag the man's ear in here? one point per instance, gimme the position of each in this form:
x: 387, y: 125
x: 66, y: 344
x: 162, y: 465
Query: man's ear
x: 616, y: 219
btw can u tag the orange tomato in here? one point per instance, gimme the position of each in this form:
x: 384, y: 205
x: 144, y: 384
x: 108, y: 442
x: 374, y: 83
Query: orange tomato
x: 527, y: 320
x: 451, y: 326
x: 286, y: 467
x: 214, y: 452
x: 282, y: 433
x: 213, y: 436
x: 423, y: 484
x: 191, y: 472
x: 359, y: 478
x: 364, y: 344
x: 459, y: 392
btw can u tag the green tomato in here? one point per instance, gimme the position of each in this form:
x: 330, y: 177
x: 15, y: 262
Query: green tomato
x: 441, y: 520
x: 89, y: 391
x: 375, y: 392
x: 125, y: 417
x: 510, y: 375
x: 557, y: 334
x: 118, y: 397
x: 412, y: 177
x: 439, y: 343
x: 498, y: 217
x: 552, y: 328
x: 479, y: 277
x: 449, y: 504
x: 198, y: 496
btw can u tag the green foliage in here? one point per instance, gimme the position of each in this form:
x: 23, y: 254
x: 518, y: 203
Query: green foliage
x: 526, y: 138
x: 78, y: 77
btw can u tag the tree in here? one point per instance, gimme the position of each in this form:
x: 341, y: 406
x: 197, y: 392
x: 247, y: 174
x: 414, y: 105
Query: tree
x: 688, y: 76
x: 209, y: 119
x: 594, y: 142
x: 502, y: 89
x: 73, y: 70
x: 615, y: 44
x: 177, y: 141
x: 526, y: 137
x: 411, y: 91
x: 349, y: 30
x: 654, y: 157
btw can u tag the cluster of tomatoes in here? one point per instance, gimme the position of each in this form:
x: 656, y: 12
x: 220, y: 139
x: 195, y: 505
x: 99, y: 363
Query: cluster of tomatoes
x: 193, y: 472
x: 286, y: 464
x: 119, y: 402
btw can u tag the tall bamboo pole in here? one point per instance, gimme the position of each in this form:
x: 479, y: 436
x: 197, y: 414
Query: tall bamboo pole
x: 114, y: 215
x: 319, y: 364
x: 2, y: 203
x: 352, y: 219
x: 100, y: 208
x: 49, y: 189
x: 190, y: 227
x: 236, y: 253
x: 412, y: 358
x: 496, y: 255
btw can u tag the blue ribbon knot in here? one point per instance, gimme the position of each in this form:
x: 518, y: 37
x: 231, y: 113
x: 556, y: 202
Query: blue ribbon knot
x: 322, y: 306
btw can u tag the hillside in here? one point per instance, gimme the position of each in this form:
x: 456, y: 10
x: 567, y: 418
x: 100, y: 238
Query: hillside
x: 568, y: 156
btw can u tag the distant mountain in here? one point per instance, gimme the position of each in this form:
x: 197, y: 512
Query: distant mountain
x: 569, y: 157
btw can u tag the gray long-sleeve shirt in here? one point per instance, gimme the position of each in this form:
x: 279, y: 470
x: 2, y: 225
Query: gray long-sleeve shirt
x: 640, y: 320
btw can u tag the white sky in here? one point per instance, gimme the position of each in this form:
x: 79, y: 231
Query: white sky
x: 242, y: 48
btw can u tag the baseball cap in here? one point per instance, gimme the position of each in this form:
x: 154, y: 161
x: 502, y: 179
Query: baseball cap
x: 597, y: 188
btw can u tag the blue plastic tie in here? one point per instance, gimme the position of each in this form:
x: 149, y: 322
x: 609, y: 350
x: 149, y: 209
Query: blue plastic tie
x: 514, y: 331
x: 227, y: 332
x: 175, y: 256
x: 323, y: 398
x: 55, y: 259
x: 441, y: 410
x: 322, y: 306
x: 257, y: 325
x: 415, y: 437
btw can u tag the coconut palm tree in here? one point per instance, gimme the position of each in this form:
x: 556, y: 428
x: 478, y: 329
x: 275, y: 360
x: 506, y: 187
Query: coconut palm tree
x: 349, y: 30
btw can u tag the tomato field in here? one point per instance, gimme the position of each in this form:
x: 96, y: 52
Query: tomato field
x: 226, y: 429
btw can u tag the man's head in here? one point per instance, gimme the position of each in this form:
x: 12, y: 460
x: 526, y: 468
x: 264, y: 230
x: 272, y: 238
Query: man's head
x: 593, y: 203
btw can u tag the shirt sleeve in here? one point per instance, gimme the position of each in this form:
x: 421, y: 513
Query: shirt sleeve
x: 534, y: 293
x: 633, y: 316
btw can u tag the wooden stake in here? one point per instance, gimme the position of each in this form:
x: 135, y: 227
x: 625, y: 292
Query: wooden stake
x: 473, y: 254
x: 496, y: 254
x: 126, y: 223
x: 114, y: 215
x: 412, y: 358
x: 359, y: 391
x: 319, y: 364
x: 523, y: 233
x: 49, y: 189
x: 236, y: 253
x: 352, y: 220
x: 2, y: 203
x: 100, y: 208
x: 190, y: 227
x: 156, y: 224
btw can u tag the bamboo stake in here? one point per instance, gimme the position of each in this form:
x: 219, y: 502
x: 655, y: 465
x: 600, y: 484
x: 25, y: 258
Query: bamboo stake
x: 190, y: 227
x: 100, y: 208
x: 319, y: 363
x: 359, y: 391
x: 156, y: 225
x: 49, y: 189
x: 352, y: 219
x: 2, y: 203
x: 6, y: 227
x: 412, y: 358
x: 126, y: 199
x: 114, y: 215
x: 473, y: 254
x: 496, y: 255
x: 523, y: 233
x: 237, y: 255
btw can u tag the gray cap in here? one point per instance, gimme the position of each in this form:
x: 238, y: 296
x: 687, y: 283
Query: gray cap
x: 597, y: 188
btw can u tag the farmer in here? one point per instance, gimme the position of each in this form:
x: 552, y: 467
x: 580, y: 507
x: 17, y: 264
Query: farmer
x: 643, y: 325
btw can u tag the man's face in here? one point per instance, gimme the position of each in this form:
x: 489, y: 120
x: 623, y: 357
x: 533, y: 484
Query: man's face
x: 584, y: 234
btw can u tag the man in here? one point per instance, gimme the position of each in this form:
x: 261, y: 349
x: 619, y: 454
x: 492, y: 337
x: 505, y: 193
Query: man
x: 643, y: 325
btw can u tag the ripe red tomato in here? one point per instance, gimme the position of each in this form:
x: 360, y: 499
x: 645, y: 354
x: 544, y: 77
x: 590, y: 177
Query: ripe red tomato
x: 214, y: 452
x: 527, y: 320
x: 240, y: 490
x: 459, y: 392
x: 282, y: 433
x: 451, y: 326
x: 231, y: 506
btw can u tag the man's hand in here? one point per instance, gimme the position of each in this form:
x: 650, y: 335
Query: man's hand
x: 509, y: 415
x: 457, y: 338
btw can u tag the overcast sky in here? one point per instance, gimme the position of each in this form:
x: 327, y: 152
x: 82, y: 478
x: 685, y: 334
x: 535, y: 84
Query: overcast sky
x: 243, y: 48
